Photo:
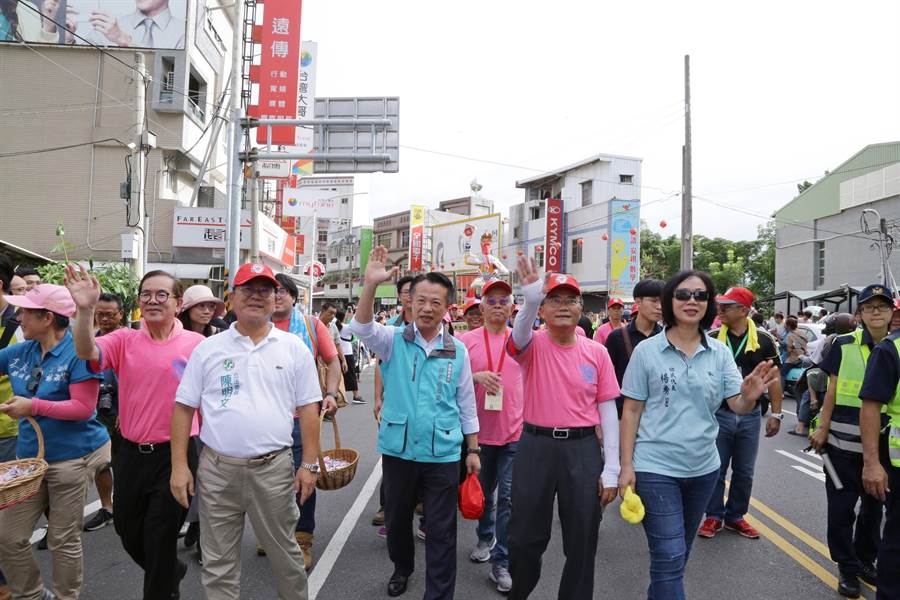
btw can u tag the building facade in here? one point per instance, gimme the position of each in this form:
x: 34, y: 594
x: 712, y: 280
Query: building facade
x: 593, y: 193
x: 821, y: 243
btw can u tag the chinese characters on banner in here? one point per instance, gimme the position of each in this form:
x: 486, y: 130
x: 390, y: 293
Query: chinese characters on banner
x: 554, y: 236
x: 624, y: 246
x: 279, y: 68
x: 416, y: 236
x: 306, y: 98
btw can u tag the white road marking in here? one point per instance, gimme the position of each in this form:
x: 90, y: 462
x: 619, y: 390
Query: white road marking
x: 40, y: 531
x: 815, y: 455
x: 817, y: 474
x: 798, y: 459
x: 328, y: 559
x: 788, y: 412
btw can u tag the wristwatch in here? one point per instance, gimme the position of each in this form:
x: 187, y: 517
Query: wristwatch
x: 473, y: 450
x: 311, y: 467
x: 779, y: 416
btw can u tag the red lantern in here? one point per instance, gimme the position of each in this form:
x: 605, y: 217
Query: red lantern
x: 453, y: 264
x: 538, y: 248
x: 626, y: 206
x: 605, y: 237
x: 580, y: 241
x: 504, y: 257
x: 632, y: 231
x: 663, y: 223
x: 519, y: 252
x: 558, y: 244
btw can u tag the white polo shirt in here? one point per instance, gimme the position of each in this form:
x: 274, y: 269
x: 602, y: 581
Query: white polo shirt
x: 247, y: 393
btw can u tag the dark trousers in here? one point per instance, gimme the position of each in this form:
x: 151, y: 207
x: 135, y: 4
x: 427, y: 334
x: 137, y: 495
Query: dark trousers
x: 569, y: 471
x: 146, y: 515
x: 307, y: 520
x: 438, y: 482
x: 852, y: 538
x: 889, y: 551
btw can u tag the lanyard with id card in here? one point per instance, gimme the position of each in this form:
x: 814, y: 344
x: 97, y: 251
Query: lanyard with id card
x: 494, y: 401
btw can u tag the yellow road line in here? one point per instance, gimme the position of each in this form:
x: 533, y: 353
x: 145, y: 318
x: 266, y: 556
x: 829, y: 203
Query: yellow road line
x: 788, y: 548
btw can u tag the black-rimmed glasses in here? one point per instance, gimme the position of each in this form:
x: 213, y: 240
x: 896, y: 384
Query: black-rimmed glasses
x: 161, y: 296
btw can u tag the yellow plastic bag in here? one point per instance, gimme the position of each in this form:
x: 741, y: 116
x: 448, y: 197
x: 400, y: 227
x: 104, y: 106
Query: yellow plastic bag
x: 631, y: 509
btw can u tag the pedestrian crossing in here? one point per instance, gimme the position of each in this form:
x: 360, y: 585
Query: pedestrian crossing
x: 805, y: 466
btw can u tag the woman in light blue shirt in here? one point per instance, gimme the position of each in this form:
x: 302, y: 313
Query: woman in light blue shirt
x: 673, y: 386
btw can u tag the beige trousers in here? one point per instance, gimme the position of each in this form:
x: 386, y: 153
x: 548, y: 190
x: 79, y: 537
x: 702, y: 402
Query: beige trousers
x: 63, y: 491
x: 263, y: 490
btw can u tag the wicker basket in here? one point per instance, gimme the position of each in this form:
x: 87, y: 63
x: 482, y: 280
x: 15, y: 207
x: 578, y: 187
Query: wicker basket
x: 23, y: 488
x: 337, y: 478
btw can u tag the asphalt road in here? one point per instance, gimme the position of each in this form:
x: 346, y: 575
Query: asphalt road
x: 789, y: 561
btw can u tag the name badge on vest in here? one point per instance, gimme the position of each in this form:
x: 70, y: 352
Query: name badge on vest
x: 494, y: 401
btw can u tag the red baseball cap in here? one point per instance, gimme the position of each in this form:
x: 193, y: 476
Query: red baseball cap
x: 613, y: 301
x: 634, y: 308
x: 561, y: 280
x: 248, y: 271
x: 495, y: 284
x: 736, y: 295
x: 46, y: 296
x: 470, y: 304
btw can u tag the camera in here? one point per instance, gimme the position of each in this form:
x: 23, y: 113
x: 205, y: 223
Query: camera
x: 105, y: 401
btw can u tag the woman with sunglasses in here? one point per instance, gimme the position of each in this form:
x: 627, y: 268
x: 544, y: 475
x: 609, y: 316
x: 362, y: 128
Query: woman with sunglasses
x: 59, y: 391
x: 673, y: 386
x: 149, y: 363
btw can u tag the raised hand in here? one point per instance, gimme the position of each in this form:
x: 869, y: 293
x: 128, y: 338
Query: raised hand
x: 757, y: 382
x: 83, y: 286
x: 527, y: 270
x: 376, y: 270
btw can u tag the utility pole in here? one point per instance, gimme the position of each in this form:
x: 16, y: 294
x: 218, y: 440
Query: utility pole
x: 233, y: 231
x: 138, y: 217
x: 253, y: 188
x: 687, y: 235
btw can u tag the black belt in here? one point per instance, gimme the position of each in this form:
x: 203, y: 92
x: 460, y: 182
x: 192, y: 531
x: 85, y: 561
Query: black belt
x: 560, y: 433
x: 147, y: 448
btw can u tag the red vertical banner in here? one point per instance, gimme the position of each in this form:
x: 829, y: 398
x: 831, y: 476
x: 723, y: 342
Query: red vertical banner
x: 416, y: 237
x: 554, y: 235
x: 279, y: 69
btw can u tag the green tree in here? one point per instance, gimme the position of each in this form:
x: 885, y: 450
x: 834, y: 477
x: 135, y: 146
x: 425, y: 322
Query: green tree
x: 728, y: 273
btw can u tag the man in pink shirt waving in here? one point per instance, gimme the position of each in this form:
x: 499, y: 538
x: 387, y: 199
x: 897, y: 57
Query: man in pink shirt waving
x: 149, y: 363
x: 569, y: 384
x: 498, y: 398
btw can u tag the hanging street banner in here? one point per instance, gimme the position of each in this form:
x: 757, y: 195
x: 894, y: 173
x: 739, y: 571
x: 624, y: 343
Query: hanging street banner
x: 278, y: 73
x: 273, y: 169
x: 306, y: 98
x: 309, y: 200
x: 416, y: 236
x: 366, y: 238
x: 624, y: 246
x: 553, y: 239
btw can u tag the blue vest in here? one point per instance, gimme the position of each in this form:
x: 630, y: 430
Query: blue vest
x: 420, y: 418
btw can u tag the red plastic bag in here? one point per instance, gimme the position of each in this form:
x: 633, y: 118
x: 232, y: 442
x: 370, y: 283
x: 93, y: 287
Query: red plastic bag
x: 471, y: 498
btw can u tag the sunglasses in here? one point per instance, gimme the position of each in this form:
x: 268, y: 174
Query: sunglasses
x: 684, y: 294
x: 491, y: 301
x: 35, y: 382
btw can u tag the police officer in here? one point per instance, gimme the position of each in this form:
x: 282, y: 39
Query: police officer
x: 881, y: 478
x: 838, y: 434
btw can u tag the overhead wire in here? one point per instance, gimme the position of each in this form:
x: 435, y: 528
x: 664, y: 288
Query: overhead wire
x: 55, y: 148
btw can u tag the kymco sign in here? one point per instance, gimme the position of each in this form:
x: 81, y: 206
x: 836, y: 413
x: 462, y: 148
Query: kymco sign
x: 553, y: 244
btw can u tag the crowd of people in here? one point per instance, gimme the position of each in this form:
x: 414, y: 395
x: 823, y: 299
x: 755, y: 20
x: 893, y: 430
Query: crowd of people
x: 195, y: 420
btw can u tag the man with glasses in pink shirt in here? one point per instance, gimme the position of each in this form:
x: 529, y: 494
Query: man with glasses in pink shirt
x: 498, y: 398
x: 569, y: 384
x: 149, y: 363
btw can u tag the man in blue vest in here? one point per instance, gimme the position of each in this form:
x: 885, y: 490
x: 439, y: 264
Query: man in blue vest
x: 430, y: 410
x: 852, y: 538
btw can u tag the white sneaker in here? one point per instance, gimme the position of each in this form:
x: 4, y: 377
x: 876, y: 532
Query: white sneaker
x: 482, y: 551
x: 501, y: 577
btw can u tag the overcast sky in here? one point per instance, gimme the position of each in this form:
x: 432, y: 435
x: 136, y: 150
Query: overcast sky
x: 781, y: 91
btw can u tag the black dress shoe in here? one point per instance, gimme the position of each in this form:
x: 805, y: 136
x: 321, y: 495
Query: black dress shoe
x: 868, y: 573
x: 397, y: 584
x: 848, y: 586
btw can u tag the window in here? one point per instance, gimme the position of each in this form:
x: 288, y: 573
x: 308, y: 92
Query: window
x: 197, y: 96
x: 321, y: 258
x: 517, y: 231
x: 539, y: 256
x: 333, y: 286
x: 323, y: 235
x: 404, y: 238
x: 626, y: 178
x: 385, y: 239
x: 587, y: 193
x: 167, y: 83
x: 345, y: 200
x: 334, y: 260
x: 534, y: 213
x: 819, y: 257
x: 576, y: 250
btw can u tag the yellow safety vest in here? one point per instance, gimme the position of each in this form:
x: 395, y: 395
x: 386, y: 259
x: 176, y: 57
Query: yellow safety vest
x: 893, y: 412
x: 844, y: 432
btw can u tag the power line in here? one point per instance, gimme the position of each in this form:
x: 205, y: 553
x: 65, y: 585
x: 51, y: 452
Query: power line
x: 55, y: 148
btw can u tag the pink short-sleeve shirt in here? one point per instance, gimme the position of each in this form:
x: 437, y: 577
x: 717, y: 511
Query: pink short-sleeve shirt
x: 564, y: 385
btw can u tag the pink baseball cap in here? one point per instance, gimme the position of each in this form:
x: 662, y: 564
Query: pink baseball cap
x: 46, y: 296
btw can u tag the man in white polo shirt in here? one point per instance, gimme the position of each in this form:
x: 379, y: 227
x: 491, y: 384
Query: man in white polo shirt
x: 247, y: 383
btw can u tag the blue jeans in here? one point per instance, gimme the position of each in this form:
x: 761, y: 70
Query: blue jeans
x: 803, y: 413
x: 738, y: 443
x: 307, y: 520
x: 496, y: 474
x: 7, y: 452
x: 674, y: 507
